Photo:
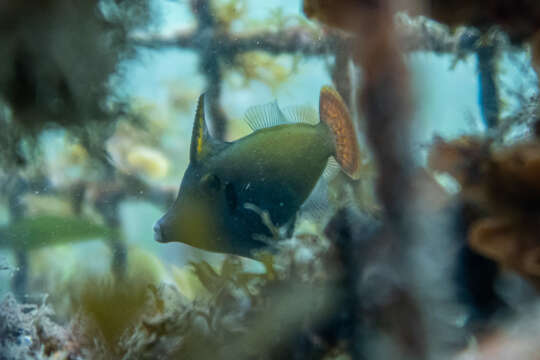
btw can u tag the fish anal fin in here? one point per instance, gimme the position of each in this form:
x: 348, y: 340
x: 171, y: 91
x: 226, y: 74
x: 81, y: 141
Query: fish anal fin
x: 334, y: 113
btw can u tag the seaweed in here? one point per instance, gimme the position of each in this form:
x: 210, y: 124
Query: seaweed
x: 110, y: 305
x: 33, y: 232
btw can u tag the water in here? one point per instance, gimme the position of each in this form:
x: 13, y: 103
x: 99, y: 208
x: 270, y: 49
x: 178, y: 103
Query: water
x: 98, y: 125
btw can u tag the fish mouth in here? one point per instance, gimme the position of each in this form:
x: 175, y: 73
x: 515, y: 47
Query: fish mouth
x: 158, y: 233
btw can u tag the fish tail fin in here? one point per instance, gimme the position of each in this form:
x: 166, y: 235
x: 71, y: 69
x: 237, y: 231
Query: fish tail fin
x: 334, y: 113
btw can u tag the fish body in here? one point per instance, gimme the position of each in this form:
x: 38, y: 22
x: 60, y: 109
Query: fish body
x: 274, y: 169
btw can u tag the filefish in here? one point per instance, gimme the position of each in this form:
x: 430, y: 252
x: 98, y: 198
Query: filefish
x: 228, y: 185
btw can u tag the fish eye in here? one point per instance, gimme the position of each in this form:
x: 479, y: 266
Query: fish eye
x: 211, y: 181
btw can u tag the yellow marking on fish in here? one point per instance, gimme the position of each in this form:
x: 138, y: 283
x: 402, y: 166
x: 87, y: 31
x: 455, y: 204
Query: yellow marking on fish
x: 200, y: 134
x: 199, y: 144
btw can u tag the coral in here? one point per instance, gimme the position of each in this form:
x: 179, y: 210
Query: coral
x: 520, y: 19
x: 232, y: 313
x: 228, y: 12
x: 161, y: 334
x: 148, y: 161
x: 27, y: 332
x: 511, y: 242
x: 257, y: 65
x: 145, y: 161
x: 502, y: 178
x: 501, y: 183
x: 304, y: 255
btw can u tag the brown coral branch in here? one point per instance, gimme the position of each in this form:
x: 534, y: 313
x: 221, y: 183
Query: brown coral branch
x: 210, y: 63
x: 422, y: 34
x: 384, y: 99
x: 414, y: 34
x: 340, y: 71
x: 184, y: 39
x: 385, y: 102
x: 290, y: 40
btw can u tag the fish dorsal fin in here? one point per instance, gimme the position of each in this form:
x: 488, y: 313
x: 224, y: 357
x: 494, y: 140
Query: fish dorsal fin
x: 264, y: 116
x: 201, y: 139
x: 301, y: 114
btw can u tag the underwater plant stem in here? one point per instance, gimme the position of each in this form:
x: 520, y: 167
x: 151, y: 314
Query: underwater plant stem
x: 18, y: 187
x: 119, y: 258
x: 488, y: 92
x: 210, y: 63
x: 341, y: 72
x: 342, y: 230
x: 385, y: 101
x: 415, y: 34
x: 20, y: 278
x: 288, y: 41
x: 202, y: 9
x: 108, y: 205
x: 211, y: 67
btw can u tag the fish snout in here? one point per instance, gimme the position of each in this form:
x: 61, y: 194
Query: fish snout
x: 159, y: 235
